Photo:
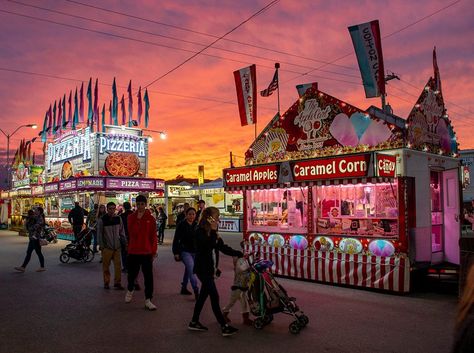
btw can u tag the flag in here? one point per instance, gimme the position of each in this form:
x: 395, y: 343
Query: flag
x: 44, y: 133
x: 122, y: 108
x: 81, y: 103
x: 246, y: 86
x: 50, y: 121
x: 75, y: 118
x: 437, y: 78
x: 90, y: 114
x: 54, y: 119
x: 139, y: 104
x: 59, y: 122
x: 111, y: 119
x: 114, y: 110
x: 130, y: 104
x: 64, y: 121
x: 97, y: 118
x: 368, y: 47
x: 69, y: 116
x: 96, y: 101
x: 304, y: 87
x: 103, y: 118
x: 147, y: 107
x: 273, y: 86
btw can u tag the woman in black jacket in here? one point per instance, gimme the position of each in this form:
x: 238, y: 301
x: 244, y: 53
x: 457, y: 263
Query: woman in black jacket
x: 184, y: 250
x: 207, y: 241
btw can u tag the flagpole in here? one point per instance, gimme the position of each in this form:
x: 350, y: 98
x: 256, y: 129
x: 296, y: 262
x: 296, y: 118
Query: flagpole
x: 277, y: 66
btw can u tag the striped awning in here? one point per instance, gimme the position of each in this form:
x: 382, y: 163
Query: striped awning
x: 326, y: 182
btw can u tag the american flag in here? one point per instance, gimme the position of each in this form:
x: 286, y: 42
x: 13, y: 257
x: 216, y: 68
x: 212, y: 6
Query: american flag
x: 271, y: 87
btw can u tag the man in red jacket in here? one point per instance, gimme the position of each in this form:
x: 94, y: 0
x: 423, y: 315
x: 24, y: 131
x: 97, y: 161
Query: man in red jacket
x: 142, y: 250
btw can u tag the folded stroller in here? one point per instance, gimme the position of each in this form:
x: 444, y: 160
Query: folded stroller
x: 79, y: 249
x: 267, y: 297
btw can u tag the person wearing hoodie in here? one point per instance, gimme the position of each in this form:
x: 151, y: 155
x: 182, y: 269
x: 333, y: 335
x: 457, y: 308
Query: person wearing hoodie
x: 111, y: 236
x: 142, y: 250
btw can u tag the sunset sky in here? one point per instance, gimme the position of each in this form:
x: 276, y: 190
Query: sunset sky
x: 41, y: 59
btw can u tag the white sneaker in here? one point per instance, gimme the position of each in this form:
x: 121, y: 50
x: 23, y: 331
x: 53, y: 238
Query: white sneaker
x: 128, y: 296
x: 149, y: 305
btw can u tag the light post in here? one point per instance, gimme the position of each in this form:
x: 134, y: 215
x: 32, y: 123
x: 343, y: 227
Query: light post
x: 33, y: 126
x: 163, y: 134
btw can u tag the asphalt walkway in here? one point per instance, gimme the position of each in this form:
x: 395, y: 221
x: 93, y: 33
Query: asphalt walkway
x: 66, y: 310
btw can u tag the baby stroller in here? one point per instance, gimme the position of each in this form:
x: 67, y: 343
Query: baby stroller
x: 79, y: 249
x: 266, y: 297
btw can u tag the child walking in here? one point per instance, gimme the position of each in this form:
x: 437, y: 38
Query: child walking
x: 240, y: 286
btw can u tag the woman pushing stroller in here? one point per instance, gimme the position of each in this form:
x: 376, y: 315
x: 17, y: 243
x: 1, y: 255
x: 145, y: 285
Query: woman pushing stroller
x: 207, y: 241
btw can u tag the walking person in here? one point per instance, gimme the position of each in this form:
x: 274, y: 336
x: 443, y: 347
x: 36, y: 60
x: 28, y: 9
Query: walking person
x: 111, y: 236
x: 76, y: 218
x: 182, y: 215
x: 207, y: 241
x: 184, y: 250
x: 464, y: 335
x: 142, y: 250
x: 201, y: 207
x: 161, y: 218
x: 35, y: 223
x: 91, y: 222
x: 124, y: 215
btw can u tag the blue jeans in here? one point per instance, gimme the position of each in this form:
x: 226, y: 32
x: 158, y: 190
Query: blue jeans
x: 188, y: 261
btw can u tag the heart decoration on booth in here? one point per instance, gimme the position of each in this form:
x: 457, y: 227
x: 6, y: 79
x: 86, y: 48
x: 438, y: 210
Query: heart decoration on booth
x: 359, y: 129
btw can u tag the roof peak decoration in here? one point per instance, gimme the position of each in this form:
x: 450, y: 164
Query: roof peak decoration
x: 318, y: 125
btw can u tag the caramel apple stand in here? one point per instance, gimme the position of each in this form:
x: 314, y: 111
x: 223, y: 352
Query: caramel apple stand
x: 336, y: 194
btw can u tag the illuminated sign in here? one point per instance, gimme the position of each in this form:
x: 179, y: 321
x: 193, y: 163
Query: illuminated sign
x: 330, y: 168
x: 68, y: 185
x: 51, y: 187
x: 251, y: 175
x: 130, y: 184
x: 69, y: 147
x: 122, y: 143
x: 385, y: 165
x: 90, y: 183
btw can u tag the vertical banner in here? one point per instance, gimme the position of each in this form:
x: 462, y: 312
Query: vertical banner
x: 130, y: 104
x: 368, y: 48
x: 64, y: 121
x: 246, y: 86
x: 81, y: 103
x: 140, y: 107
x: 200, y: 175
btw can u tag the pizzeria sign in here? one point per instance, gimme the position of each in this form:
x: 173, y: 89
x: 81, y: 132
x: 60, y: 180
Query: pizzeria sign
x: 122, y: 143
x: 70, y: 147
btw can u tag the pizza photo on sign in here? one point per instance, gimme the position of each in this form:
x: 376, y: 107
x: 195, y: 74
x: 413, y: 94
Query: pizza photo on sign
x: 122, y: 164
x: 66, y: 170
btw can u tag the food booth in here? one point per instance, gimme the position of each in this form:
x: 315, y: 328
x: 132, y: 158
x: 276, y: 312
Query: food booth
x: 93, y: 168
x: 336, y: 194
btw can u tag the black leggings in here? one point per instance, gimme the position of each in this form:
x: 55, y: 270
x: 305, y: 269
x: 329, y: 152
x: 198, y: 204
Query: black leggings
x: 33, y: 245
x: 208, y: 288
